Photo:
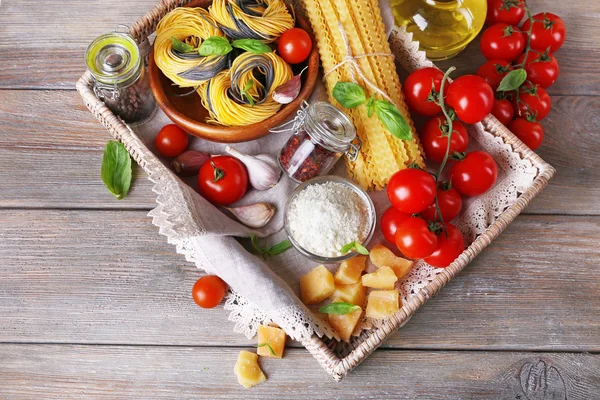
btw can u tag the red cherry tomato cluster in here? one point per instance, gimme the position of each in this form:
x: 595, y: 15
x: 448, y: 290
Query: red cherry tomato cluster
x: 504, y: 44
x: 418, y: 222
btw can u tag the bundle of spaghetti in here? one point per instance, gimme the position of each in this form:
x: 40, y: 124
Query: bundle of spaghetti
x: 191, y: 26
x: 251, y: 75
x: 264, y: 20
x: 358, y: 24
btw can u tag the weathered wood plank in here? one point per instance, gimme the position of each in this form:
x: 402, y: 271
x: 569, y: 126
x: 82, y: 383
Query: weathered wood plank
x: 54, y: 51
x: 52, y: 131
x: 108, y: 277
x: 86, y: 372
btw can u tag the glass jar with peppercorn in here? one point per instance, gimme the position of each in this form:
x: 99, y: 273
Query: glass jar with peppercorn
x: 120, y: 77
x: 321, y: 137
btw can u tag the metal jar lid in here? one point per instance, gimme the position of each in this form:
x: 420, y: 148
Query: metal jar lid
x: 114, y: 59
x: 332, y: 129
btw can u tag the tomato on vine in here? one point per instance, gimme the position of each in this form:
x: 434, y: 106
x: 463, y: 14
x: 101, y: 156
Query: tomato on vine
x: 503, y: 111
x: 502, y: 41
x: 411, y: 190
x: 493, y: 71
x: 416, y: 238
x: 473, y: 174
x: 548, y: 32
x: 507, y: 11
x: 421, y: 90
x: 434, y: 138
x: 471, y: 97
x: 390, y: 220
x: 530, y: 132
x: 542, y: 69
x: 533, y: 102
x: 451, y: 244
x: 450, y: 203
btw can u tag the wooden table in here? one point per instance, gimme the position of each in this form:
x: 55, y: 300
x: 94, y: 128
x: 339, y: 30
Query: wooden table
x: 94, y: 303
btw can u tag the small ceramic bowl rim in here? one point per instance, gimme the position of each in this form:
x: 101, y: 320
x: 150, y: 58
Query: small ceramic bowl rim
x: 372, y: 219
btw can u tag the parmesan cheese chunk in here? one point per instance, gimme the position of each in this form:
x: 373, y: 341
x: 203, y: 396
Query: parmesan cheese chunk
x: 350, y: 270
x: 383, y: 278
x: 247, y: 370
x: 273, y: 337
x: 316, y: 286
x: 382, y: 304
x: 381, y: 256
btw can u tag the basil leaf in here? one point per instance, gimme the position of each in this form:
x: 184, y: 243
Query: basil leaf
x: 280, y: 247
x: 513, y: 80
x: 359, y: 248
x: 248, y: 85
x: 252, y: 45
x: 180, y: 46
x: 268, y: 346
x: 116, y: 169
x: 349, y: 94
x: 269, y: 251
x: 339, y: 308
x: 393, y: 121
x: 215, y: 46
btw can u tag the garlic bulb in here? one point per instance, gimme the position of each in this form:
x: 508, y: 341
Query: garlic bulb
x: 263, y: 171
x: 253, y: 215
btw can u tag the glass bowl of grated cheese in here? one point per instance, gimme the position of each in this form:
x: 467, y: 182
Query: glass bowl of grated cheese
x: 325, y: 214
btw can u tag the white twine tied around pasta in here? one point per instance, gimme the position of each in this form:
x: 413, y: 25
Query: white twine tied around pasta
x: 350, y: 59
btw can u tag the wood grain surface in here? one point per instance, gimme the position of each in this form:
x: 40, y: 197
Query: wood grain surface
x: 141, y: 372
x: 95, y: 304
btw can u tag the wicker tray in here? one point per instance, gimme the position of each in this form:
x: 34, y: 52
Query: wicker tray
x: 339, y: 358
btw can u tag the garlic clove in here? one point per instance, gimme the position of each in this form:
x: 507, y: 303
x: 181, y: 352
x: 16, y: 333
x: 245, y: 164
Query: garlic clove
x: 288, y: 91
x: 253, y: 215
x: 189, y: 162
x: 263, y: 170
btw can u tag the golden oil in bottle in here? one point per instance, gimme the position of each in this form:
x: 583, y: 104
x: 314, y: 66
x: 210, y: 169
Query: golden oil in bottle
x: 442, y: 27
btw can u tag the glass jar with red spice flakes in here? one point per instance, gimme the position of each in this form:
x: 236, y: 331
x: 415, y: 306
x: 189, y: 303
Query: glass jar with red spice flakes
x: 322, y: 134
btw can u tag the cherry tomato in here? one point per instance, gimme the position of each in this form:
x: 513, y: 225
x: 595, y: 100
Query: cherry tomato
x: 502, y: 41
x: 450, y: 204
x: 449, y: 248
x: 534, y: 102
x: 542, y: 69
x: 471, y: 97
x: 414, y: 238
x: 493, y: 71
x: 503, y: 111
x: 209, y: 291
x: 507, y: 11
x: 473, y: 175
x: 171, y: 141
x: 548, y: 31
x: 390, y: 220
x: 530, y: 133
x: 294, y: 45
x: 411, y: 190
x: 223, y: 180
x: 421, y: 89
x: 435, y: 140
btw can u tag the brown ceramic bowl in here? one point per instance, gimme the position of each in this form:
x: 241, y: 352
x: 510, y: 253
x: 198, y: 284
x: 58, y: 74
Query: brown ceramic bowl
x: 190, y: 115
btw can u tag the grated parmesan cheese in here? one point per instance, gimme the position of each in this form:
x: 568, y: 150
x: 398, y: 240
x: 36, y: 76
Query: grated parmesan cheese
x: 324, y: 217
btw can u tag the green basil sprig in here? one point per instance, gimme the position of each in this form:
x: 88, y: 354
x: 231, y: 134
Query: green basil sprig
x: 269, y: 250
x: 180, y: 46
x: 219, y: 46
x: 513, y: 80
x: 215, y: 46
x: 350, y: 95
x: 339, y: 308
x: 359, y: 248
x: 268, y: 344
x: 247, y: 87
x: 252, y: 45
x: 116, y: 169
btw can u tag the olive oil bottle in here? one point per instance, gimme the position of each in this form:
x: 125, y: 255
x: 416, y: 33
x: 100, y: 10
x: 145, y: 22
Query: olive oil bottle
x: 442, y: 27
